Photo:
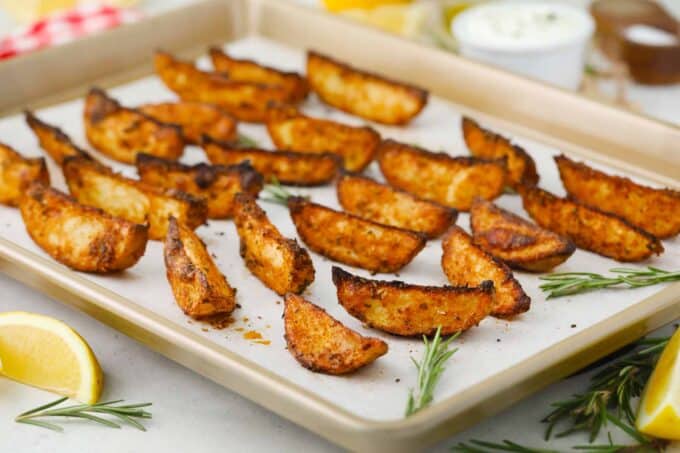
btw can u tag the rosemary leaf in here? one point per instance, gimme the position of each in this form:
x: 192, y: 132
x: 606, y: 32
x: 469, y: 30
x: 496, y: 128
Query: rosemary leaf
x: 243, y: 141
x: 479, y: 446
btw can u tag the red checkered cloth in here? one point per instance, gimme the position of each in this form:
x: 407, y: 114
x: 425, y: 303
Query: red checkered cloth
x: 64, y: 27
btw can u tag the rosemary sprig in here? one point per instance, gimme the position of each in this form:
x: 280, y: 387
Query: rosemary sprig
x: 567, y: 283
x: 243, y: 141
x: 480, y: 446
x: 126, y: 413
x: 277, y: 194
x: 430, y: 369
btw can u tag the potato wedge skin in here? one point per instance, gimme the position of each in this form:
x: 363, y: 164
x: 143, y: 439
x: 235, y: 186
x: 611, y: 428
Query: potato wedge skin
x: 81, y: 237
x: 321, y: 343
x: 355, y: 145
x: 485, y: 144
x: 195, y: 119
x: 17, y: 173
x: 199, y: 288
x: 121, y: 133
x: 352, y: 240
x: 466, y: 264
x: 94, y: 184
x: 589, y: 228
x: 450, y: 181
x: 288, y: 167
x: 411, y: 310
x: 518, y: 243
x: 381, y: 203
x: 361, y: 93
x: 53, y: 140
x: 217, y: 184
x: 656, y: 211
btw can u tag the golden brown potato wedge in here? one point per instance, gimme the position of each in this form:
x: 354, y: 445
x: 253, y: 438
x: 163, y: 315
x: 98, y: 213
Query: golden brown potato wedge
x: 352, y: 240
x: 517, y: 242
x: 287, y: 167
x: 656, y: 211
x: 17, y: 173
x: 381, y: 203
x: 321, y: 343
x: 250, y: 71
x: 217, y: 184
x: 466, y: 264
x: 589, y: 228
x: 199, y: 288
x: 362, y: 93
x: 451, y: 181
x: 356, y: 145
x: 81, y: 237
x: 195, y: 118
x: 95, y: 184
x: 488, y: 145
x: 53, y: 140
x: 407, y: 310
x: 280, y: 263
x: 121, y: 133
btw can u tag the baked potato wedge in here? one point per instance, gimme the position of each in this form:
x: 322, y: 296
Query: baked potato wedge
x: 83, y: 238
x: 286, y: 167
x: 656, y: 211
x: 95, y: 184
x: 280, y: 263
x: 466, y: 264
x: 517, y: 242
x: 412, y: 310
x: 17, y: 173
x: 195, y: 119
x: 250, y: 71
x: 450, y: 181
x: 199, y: 287
x: 352, y: 240
x: 53, y: 140
x: 121, y: 133
x: 362, y: 93
x: 216, y: 184
x: 355, y: 145
x: 589, y: 228
x: 321, y: 343
x: 381, y: 203
x: 485, y: 144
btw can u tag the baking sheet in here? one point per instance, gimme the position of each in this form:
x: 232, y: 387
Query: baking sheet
x: 379, y: 391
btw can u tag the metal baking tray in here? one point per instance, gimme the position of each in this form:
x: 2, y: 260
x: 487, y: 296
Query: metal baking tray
x: 498, y: 363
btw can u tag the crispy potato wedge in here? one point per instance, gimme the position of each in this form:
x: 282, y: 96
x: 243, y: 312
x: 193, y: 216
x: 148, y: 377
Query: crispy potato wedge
x: 250, y: 71
x: 287, y: 167
x: 81, y: 237
x: 17, y: 173
x: 195, y: 119
x: 352, y: 240
x: 381, y: 203
x: 121, y: 133
x: 451, y: 181
x: 656, y: 211
x: 362, y: 93
x: 488, y: 145
x: 246, y: 101
x: 280, y: 263
x: 356, y: 145
x: 466, y: 264
x: 518, y: 243
x: 53, y: 140
x: 589, y: 228
x: 217, y: 184
x: 321, y: 343
x: 412, y: 310
x: 95, y: 184
x: 199, y: 287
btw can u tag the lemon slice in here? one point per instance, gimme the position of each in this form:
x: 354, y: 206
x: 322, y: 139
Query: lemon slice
x: 404, y: 20
x: 659, y: 412
x: 341, y: 5
x: 46, y: 353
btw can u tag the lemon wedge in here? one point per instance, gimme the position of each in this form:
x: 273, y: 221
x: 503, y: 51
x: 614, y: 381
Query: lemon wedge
x: 404, y: 20
x: 659, y: 412
x: 341, y: 5
x: 46, y: 353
